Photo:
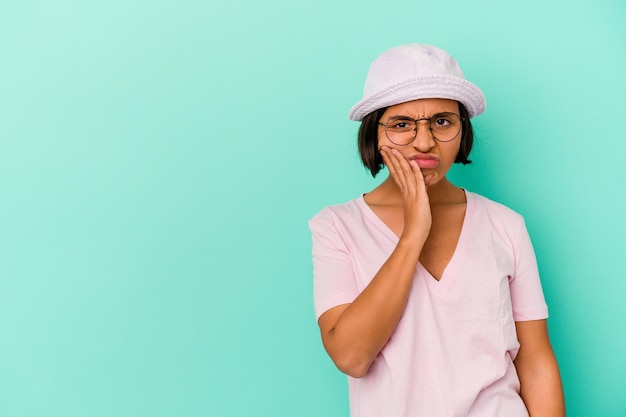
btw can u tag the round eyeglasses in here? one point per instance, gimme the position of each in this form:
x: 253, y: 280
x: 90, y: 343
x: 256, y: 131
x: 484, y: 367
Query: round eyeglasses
x: 401, y: 130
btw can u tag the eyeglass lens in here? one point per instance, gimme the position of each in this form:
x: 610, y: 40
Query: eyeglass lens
x: 443, y: 126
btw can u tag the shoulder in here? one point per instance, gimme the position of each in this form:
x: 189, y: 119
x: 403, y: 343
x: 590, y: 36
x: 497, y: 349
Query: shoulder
x: 339, y: 213
x: 497, y: 216
x: 331, y: 227
x: 494, y: 209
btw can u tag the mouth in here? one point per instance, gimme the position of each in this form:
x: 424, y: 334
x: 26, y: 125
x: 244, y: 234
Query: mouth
x: 425, y: 161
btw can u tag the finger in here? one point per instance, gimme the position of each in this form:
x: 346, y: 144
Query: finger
x: 408, y: 173
x: 398, y: 164
x: 419, y: 176
x: 390, y: 161
x: 395, y: 170
x: 407, y: 170
x: 415, y: 177
x: 417, y: 171
x: 401, y: 162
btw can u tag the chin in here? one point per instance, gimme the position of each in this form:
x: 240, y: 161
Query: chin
x: 431, y: 179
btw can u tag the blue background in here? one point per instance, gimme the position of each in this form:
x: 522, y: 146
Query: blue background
x: 159, y: 161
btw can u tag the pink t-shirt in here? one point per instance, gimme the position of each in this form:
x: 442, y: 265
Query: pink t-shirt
x: 453, y: 349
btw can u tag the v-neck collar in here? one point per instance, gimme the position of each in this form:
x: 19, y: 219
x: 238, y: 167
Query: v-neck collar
x: 387, y: 232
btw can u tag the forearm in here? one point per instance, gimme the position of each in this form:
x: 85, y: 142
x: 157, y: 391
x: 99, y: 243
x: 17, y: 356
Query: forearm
x: 354, y: 334
x: 537, y: 368
x: 364, y: 327
x: 541, y: 389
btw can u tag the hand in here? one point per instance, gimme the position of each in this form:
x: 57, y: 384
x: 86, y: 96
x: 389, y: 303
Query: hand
x: 408, y: 177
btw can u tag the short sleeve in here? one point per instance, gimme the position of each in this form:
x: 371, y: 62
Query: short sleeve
x: 526, y: 292
x: 334, y: 281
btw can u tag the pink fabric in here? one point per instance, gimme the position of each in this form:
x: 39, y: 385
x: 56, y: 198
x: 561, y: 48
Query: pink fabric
x: 452, y: 352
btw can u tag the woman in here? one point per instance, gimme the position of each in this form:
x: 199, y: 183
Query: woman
x: 428, y: 296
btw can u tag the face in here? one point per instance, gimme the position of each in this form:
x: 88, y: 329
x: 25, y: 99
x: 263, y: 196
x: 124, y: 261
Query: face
x: 434, y: 158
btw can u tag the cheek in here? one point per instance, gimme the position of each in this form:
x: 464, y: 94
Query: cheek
x: 452, y: 152
x: 383, y: 140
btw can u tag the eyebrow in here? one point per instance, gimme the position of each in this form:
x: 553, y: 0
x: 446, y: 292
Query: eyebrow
x: 399, y: 117
x: 403, y: 117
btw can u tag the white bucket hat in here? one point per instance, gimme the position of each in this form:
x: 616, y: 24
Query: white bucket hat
x: 412, y: 72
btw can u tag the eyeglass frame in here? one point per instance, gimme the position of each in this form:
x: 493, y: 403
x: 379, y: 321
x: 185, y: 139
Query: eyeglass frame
x: 429, y: 119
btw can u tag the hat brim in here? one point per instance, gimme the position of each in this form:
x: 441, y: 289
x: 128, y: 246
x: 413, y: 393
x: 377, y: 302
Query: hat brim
x: 434, y: 86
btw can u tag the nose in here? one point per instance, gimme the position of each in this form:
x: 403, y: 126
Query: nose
x: 424, y: 140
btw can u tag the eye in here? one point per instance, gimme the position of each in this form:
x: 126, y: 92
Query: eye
x: 445, y: 121
x: 441, y: 121
x: 401, y: 125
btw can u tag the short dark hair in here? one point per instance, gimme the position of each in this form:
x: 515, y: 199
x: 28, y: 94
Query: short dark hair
x: 368, y: 140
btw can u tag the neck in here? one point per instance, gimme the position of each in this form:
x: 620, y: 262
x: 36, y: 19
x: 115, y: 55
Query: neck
x: 441, y: 192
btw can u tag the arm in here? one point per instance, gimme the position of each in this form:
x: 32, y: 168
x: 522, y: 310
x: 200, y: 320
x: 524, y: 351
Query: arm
x: 353, y: 334
x: 538, y: 371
